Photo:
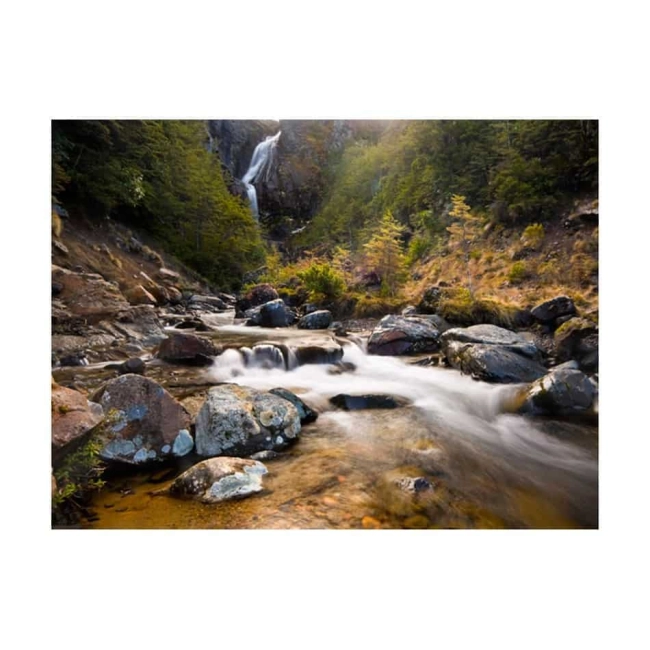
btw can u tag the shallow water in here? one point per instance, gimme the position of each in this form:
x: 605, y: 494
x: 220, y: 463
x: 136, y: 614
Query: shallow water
x: 487, y: 468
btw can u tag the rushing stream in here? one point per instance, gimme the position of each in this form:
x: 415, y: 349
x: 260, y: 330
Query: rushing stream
x: 484, y: 467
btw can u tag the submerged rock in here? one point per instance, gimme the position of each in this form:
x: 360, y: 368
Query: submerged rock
x: 396, y: 335
x: 316, y: 320
x: 238, y: 420
x: 358, y: 402
x: 549, y: 310
x: 306, y: 413
x: 220, y: 479
x: 144, y: 423
x: 325, y: 350
x: 188, y: 349
x: 563, y: 391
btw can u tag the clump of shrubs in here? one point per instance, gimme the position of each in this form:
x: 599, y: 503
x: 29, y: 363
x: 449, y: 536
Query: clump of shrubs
x: 518, y: 273
x: 533, y: 236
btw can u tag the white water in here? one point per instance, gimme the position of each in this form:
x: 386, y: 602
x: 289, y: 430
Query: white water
x: 259, y: 168
x: 466, y: 412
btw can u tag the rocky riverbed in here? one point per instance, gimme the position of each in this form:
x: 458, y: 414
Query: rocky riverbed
x: 410, y: 424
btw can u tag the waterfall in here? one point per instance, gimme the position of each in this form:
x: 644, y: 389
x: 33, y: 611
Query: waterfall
x: 260, y: 165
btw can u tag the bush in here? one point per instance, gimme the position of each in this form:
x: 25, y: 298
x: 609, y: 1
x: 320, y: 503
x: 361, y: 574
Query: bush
x: 518, y: 272
x: 418, y: 248
x: 322, y: 281
x: 533, y: 236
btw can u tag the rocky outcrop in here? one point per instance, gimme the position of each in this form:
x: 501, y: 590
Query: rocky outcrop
x: 240, y: 421
x: 305, y: 413
x: 316, y: 320
x: 562, y: 392
x: 144, y: 423
x: 73, y: 417
x: 87, y: 296
x: 188, y: 349
x: 546, y: 312
x: 577, y: 339
x: 220, y: 479
x: 395, y: 335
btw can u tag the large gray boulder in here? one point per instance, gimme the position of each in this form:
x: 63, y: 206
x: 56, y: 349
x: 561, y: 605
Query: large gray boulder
x: 316, y: 320
x: 493, y: 363
x: 239, y: 421
x: 395, y: 335
x: 220, y: 479
x: 564, y: 391
x: 271, y: 314
x: 143, y: 424
x: 306, y: 413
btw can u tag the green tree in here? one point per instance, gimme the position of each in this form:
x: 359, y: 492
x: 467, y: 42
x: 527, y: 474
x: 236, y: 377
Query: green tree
x: 463, y: 231
x: 384, y: 253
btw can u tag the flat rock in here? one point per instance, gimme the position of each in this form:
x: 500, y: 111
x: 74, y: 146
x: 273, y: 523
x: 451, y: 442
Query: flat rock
x: 491, y: 335
x: 549, y: 310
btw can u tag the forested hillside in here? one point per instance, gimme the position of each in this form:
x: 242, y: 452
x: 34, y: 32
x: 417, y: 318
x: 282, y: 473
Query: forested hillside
x: 157, y: 175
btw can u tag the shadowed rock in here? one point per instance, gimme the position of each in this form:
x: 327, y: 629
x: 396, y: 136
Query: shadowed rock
x: 395, y: 335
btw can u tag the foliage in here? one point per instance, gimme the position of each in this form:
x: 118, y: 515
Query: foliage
x: 533, y: 236
x: 79, y: 473
x: 517, y: 273
x: 463, y: 231
x: 322, y: 281
x: 384, y: 253
x: 157, y: 175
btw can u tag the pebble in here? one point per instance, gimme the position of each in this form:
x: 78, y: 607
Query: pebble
x: 370, y: 522
x: 329, y: 501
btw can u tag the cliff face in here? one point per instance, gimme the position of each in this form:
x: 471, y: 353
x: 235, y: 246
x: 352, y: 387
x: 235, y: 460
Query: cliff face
x: 296, y: 180
x: 235, y: 141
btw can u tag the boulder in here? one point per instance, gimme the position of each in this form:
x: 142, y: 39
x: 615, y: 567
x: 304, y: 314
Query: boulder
x: 396, y: 335
x: 255, y: 297
x: 563, y: 391
x: 274, y: 314
x: 359, y: 402
x: 316, y: 320
x: 175, y: 296
x: 493, y: 363
x: 143, y: 424
x: 549, y: 310
x: 138, y: 295
x: 305, y: 413
x: 577, y: 339
x: 240, y: 421
x: 491, y: 335
x: 188, y: 349
x: 325, y: 350
x: 220, y: 479
x: 139, y: 324
x: 73, y: 416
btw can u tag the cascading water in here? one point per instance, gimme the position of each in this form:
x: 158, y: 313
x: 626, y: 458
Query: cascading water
x: 259, y: 168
